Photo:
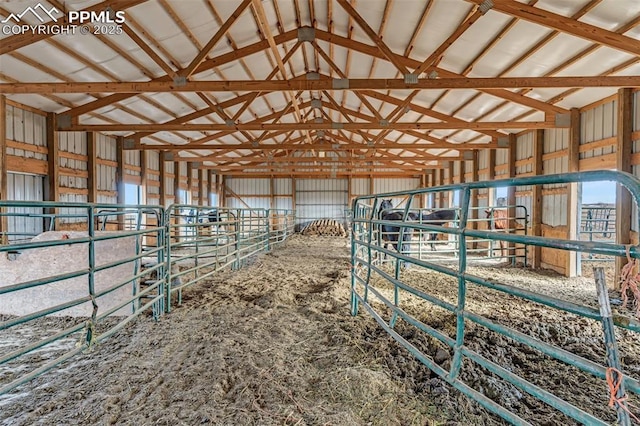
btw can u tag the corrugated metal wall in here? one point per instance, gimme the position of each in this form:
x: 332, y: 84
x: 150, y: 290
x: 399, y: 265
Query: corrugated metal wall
x: 283, y: 198
x: 321, y: 198
x: 381, y: 185
x: 153, y: 177
x: 554, y: 197
x: 524, y: 167
x: 598, y: 124
x: 25, y: 126
x: 72, y: 159
x: 256, y: 193
x: 106, y: 169
x: 483, y: 175
x: 23, y: 187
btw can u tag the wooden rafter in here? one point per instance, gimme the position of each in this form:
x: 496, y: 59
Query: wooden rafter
x: 567, y: 25
x: 299, y: 84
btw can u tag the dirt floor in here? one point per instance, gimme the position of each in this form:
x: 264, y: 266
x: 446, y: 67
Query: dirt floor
x: 274, y: 343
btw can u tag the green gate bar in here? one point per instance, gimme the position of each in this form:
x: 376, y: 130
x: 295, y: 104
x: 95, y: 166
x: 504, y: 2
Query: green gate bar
x: 367, y: 252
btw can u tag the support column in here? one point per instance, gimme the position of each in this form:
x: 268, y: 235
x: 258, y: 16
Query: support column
x: 536, y: 198
x: 623, y: 163
x: 272, y: 193
x: 511, y: 191
x: 203, y: 195
x: 53, y: 186
x: 120, y: 177
x: 163, y: 179
x: 474, y: 195
x: 293, y: 194
x: 223, y: 191
x: 144, y: 176
x: 92, y: 168
x: 573, y: 198
x: 4, y: 222
x: 176, y: 183
x: 491, y: 193
x: 189, y: 182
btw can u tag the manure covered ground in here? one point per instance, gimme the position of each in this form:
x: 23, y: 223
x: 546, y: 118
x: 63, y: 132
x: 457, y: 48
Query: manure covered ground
x: 274, y: 343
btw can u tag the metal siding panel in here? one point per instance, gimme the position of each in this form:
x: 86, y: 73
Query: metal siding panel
x: 282, y: 186
x: 360, y: 186
x: 636, y: 111
x: 18, y: 124
x: 9, y: 122
x: 28, y: 127
x: 284, y: 203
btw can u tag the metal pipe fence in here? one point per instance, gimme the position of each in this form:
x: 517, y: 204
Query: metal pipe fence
x: 383, y: 291
x: 597, y: 223
x: 63, y: 291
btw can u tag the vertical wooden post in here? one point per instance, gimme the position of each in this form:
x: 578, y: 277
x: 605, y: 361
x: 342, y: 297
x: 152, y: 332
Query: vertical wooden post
x: 423, y: 184
x: 349, y: 192
x: 536, y: 197
x: 120, y: 177
x: 272, y: 193
x: 176, y: 183
x: 203, y: 194
x: 491, y: 194
x: 293, y: 194
x: 223, y: 190
x: 450, y: 201
x: 163, y: 179
x: 573, y: 199
x: 511, y: 191
x: 4, y: 222
x: 52, y: 160
x: 474, y: 195
x: 371, y: 185
x: 623, y: 164
x: 189, y: 182
x: 210, y: 186
x: 144, y: 176
x: 440, y: 201
x: 92, y: 168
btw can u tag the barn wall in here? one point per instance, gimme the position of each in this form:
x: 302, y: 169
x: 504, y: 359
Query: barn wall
x: 153, y: 177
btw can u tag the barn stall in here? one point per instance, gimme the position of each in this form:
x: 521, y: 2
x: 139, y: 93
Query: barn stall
x: 191, y: 138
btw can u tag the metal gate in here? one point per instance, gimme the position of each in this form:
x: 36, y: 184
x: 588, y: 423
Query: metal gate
x: 381, y: 291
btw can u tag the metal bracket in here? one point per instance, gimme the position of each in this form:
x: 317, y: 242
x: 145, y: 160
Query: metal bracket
x: 467, y: 155
x: 230, y: 123
x: 168, y: 156
x: 335, y: 146
x: 433, y: 75
x: 128, y: 143
x: 384, y: 122
x: 316, y: 103
x: 485, y: 6
x: 340, y: 83
x: 411, y: 78
x: 313, y: 76
x: 563, y: 120
x: 335, y: 125
x: 63, y: 121
x: 503, y: 141
x: 320, y: 133
x: 180, y: 81
x: 318, y: 120
x: 306, y: 34
x: 196, y: 164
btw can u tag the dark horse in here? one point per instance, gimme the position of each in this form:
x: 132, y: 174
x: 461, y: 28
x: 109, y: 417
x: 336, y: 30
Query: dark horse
x: 392, y: 233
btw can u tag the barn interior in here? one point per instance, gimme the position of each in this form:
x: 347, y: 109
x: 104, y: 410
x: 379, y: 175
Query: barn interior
x: 153, y: 152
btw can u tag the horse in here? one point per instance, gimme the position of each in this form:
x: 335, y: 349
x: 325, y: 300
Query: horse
x: 499, y: 221
x: 392, y: 233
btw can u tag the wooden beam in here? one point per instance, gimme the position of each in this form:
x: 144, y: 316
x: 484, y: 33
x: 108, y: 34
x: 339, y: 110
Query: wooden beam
x: 536, y: 198
x: 120, y: 178
x: 573, y: 195
x: 14, y: 42
x: 300, y: 84
x: 176, y: 183
x: 215, y: 39
x: 567, y: 25
x: 203, y: 195
x: 476, y: 125
x: 144, y: 176
x: 624, y: 201
x: 92, y: 168
x: 206, y: 65
x: 53, y: 184
x: 373, y: 36
x: 4, y: 221
x: 511, y: 191
x: 163, y: 179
